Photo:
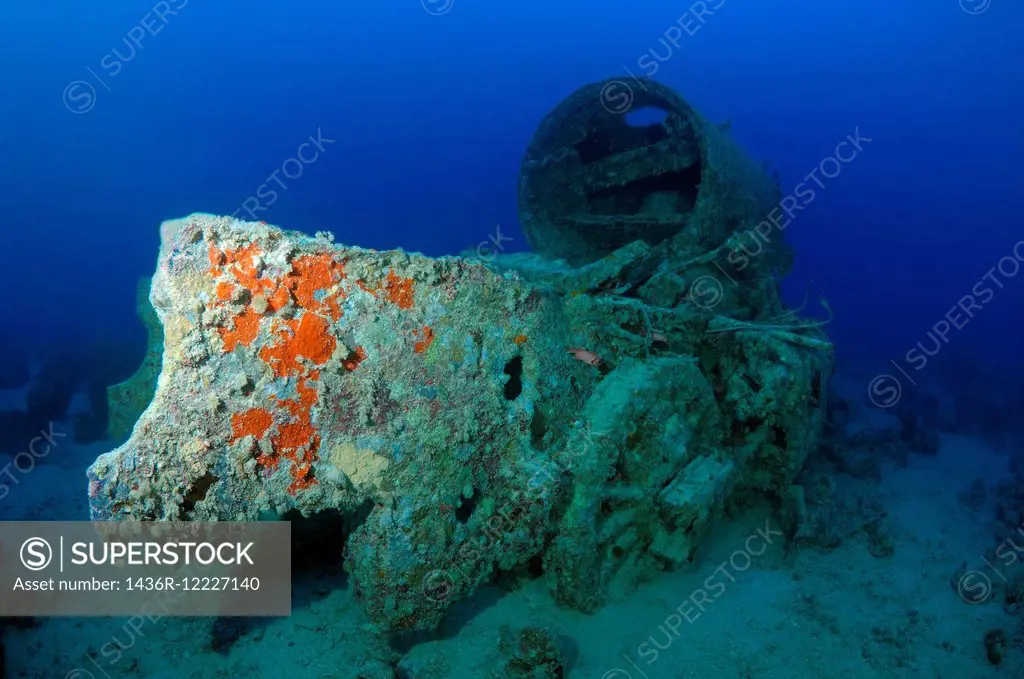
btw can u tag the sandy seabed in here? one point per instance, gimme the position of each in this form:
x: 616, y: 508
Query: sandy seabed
x: 748, y: 608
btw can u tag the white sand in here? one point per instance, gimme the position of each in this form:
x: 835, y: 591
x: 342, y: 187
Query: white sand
x: 842, y: 613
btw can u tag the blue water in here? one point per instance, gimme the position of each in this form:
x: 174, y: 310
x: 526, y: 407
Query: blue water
x: 431, y: 115
x: 115, y: 116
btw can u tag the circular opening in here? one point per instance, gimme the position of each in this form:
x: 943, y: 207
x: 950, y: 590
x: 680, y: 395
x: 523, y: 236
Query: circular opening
x: 594, y: 181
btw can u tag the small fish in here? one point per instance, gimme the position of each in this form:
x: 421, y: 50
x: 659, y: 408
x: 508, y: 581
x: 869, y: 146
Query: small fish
x: 659, y: 338
x: 586, y: 356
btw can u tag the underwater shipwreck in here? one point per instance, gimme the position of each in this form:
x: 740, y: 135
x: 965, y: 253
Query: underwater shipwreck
x: 583, y: 413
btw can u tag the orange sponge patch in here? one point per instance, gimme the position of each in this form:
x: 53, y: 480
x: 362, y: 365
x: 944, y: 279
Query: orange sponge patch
x: 253, y: 423
x: 225, y: 291
x: 296, y: 347
x: 355, y: 358
x: 308, y: 338
x: 313, y: 276
x: 426, y: 337
x: 399, y: 290
x: 241, y: 267
x: 298, y: 440
x: 247, y: 327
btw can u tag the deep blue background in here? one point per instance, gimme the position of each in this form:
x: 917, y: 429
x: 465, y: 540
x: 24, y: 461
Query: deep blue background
x: 432, y: 115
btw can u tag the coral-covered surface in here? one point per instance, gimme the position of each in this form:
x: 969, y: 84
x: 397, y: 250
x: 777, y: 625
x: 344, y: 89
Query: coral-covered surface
x: 303, y: 375
x: 435, y: 404
x: 298, y: 358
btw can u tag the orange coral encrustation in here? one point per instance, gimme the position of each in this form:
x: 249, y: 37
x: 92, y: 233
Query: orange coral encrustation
x: 247, y: 327
x: 315, y: 274
x: 399, y: 290
x: 427, y: 334
x: 298, y: 440
x: 253, y: 423
x: 309, y: 337
x: 300, y: 345
x: 355, y: 358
